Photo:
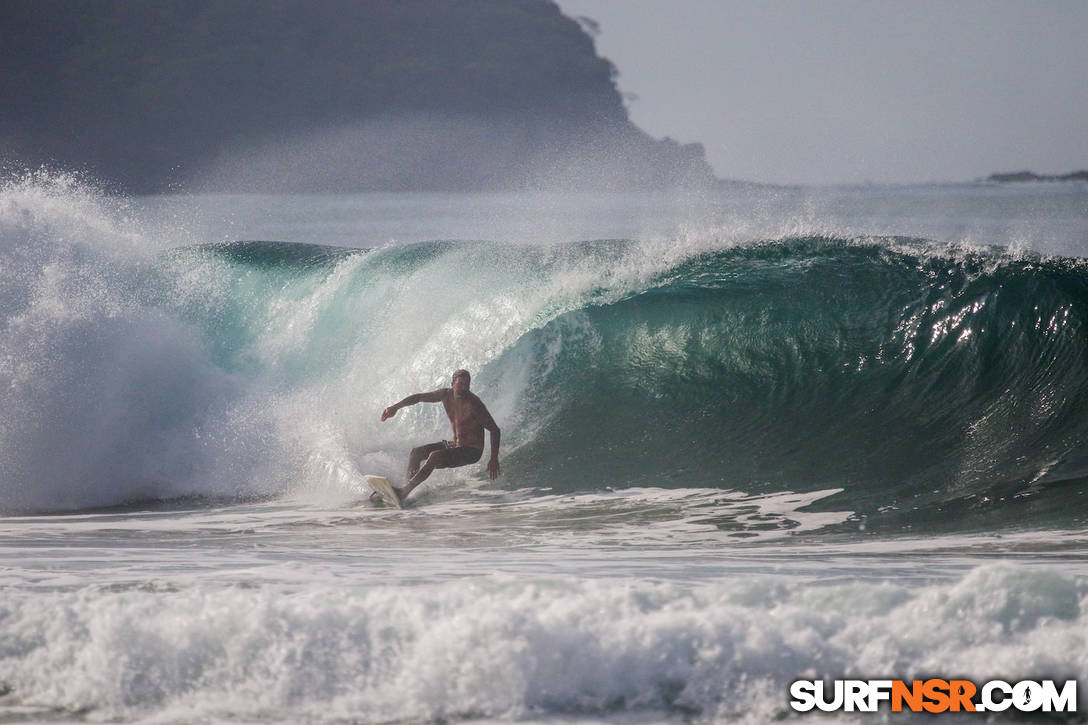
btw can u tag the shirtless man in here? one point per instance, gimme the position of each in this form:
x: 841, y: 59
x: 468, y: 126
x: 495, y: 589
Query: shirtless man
x: 468, y: 416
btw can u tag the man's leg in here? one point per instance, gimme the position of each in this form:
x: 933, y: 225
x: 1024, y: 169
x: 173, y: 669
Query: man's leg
x: 441, y: 458
x: 417, y: 456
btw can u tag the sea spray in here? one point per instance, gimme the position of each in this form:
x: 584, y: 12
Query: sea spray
x: 108, y: 396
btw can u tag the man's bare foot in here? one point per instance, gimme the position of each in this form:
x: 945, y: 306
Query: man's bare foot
x: 401, y: 493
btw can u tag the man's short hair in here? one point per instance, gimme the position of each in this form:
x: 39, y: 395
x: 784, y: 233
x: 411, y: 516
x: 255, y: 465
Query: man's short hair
x: 461, y: 374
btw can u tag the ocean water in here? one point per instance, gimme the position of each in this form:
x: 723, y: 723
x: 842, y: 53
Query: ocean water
x: 749, y: 436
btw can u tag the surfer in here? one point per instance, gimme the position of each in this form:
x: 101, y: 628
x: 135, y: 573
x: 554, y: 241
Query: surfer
x: 469, y: 417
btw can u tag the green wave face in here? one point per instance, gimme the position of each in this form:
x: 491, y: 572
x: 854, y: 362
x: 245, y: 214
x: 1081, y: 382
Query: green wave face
x: 926, y: 385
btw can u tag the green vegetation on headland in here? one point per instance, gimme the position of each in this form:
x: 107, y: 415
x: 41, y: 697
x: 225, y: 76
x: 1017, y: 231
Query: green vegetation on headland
x: 323, y: 95
x: 1023, y: 176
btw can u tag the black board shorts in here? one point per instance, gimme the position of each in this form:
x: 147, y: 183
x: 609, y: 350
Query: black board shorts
x: 455, y: 456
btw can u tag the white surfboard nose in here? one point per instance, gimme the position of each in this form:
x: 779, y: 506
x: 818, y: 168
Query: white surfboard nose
x: 381, y: 486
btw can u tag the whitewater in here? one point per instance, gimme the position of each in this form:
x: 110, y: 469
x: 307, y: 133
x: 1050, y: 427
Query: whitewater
x: 750, y: 435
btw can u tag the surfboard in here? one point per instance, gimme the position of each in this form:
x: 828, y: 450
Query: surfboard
x: 383, y: 488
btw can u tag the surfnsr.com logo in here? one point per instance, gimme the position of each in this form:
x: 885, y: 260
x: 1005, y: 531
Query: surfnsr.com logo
x: 934, y: 695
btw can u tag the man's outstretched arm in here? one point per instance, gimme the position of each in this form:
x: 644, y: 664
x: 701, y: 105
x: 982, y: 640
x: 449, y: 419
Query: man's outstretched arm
x: 435, y: 396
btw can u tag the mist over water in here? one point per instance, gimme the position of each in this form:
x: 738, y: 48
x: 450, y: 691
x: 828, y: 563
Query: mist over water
x: 1045, y: 218
x: 458, y: 152
x: 746, y: 438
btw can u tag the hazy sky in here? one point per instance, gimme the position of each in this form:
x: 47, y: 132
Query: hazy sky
x: 854, y: 90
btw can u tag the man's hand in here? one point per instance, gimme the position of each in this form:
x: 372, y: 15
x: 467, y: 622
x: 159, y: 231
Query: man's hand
x: 493, y: 468
x: 389, y: 413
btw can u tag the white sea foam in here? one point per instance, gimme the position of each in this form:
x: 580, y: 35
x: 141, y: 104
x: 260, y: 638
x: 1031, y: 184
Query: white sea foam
x: 497, y: 648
